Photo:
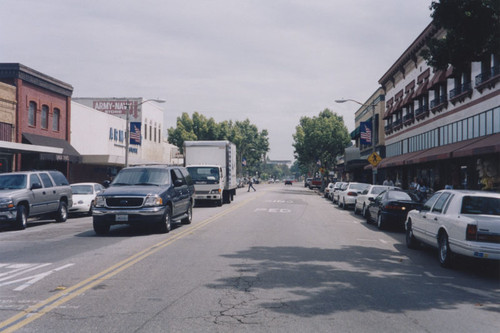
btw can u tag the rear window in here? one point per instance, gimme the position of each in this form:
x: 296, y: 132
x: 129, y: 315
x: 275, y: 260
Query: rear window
x: 398, y: 195
x: 360, y: 187
x: 59, y: 178
x: 480, y: 205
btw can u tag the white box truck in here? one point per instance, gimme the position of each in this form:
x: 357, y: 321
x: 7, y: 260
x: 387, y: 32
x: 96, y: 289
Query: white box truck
x: 212, y: 165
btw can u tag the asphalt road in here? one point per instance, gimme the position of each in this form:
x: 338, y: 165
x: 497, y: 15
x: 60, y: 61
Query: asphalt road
x: 281, y: 259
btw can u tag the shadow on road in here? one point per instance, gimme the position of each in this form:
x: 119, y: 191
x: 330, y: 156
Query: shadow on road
x: 326, y: 281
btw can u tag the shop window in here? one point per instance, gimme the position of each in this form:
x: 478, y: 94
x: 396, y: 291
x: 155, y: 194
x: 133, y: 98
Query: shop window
x: 476, y: 126
x: 45, y: 117
x: 482, y: 124
x: 489, y: 122
x: 32, y: 114
x: 56, y: 119
x: 496, y: 120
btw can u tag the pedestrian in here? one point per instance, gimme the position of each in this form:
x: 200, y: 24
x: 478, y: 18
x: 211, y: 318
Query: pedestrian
x: 414, y: 185
x: 422, y: 191
x: 388, y: 182
x: 250, y: 185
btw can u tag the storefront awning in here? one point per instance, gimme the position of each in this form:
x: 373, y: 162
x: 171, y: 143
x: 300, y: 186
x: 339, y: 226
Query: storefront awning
x: 355, y: 134
x: 68, y: 152
x: 484, y: 145
x: 397, y: 160
x: 15, y: 147
x: 439, y: 153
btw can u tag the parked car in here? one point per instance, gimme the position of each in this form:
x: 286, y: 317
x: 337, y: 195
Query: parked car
x: 33, y: 193
x: 362, y: 201
x: 83, y: 197
x: 347, y: 196
x: 457, y: 221
x: 288, y: 182
x: 338, y: 187
x: 328, y: 189
x: 307, y: 182
x: 391, y: 206
x: 152, y: 195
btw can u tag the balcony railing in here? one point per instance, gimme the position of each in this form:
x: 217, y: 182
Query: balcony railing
x: 424, y: 108
x: 461, y: 89
x: 483, y: 77
x: 408, y: 117
x: 438, y: 101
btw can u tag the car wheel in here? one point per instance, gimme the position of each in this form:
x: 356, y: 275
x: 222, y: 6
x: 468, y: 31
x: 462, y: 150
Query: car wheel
x: 355, y: 209
x: 444, y: 251
x: 364, y: 211
x: 90, y: 210
x: 62, y: 212
x: 22, y: 218
x: 344, y: 205
x: 100, y: 228
x: 411, y: 241
x: 165, y: 225
x: 380, y: 222
x: 189, y: 216
x: 220, y: 202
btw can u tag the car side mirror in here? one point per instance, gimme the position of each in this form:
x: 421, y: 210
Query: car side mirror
x: 106, y: 183
x: 371, y: 199
x: 35, y: 186
x: 177, y: 183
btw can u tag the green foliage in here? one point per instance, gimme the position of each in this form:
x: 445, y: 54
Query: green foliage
x: 250, y: 143
x: 472, y: 33
x: 320, y: 138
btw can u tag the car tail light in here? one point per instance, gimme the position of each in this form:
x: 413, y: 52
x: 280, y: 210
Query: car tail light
x: 394, y: 207
x: 471, y: 233
x: 352, y: 194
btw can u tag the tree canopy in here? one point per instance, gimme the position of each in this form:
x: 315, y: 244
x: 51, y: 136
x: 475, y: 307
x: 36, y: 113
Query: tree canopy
x: 472, y: 32
x: 252, y: 145
x: 320, y: 138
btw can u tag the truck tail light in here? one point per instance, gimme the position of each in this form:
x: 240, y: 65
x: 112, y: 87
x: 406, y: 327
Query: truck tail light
x: 352, y: 194
x: 471, y: 233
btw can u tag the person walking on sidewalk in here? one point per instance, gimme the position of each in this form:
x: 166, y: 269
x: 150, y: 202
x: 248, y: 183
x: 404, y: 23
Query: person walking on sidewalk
x: 250, y: 185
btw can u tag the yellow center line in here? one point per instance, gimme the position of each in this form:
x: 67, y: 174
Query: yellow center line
x: 38, y: 310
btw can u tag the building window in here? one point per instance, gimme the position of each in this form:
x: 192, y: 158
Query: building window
x: 496, y: 120
x: 32, y: 114
x: 155, y: 134
x: 489, y: 122
x: 145, y: 131
x: 45, y: 116
x: 55, y: 119
x: 111, y: 133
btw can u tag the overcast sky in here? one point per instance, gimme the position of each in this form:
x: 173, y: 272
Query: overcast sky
x: 271, y: 61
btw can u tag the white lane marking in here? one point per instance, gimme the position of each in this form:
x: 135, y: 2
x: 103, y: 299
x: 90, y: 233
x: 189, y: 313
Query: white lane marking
x: 273, y: 210
x: 429, y: 274
x: 383, y: 241
x: 30, y: 280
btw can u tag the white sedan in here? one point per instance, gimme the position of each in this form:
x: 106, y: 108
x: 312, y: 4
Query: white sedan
x: 83, y: 197
x: 363, y: 199
x: 348, y: 194
x: 457, y: 221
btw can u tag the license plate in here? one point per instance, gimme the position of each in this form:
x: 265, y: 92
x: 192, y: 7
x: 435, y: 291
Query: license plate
x: 121, y: 218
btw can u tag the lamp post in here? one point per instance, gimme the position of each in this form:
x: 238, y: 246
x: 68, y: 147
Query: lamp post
x: 127, y: 129
x: 374, y: 174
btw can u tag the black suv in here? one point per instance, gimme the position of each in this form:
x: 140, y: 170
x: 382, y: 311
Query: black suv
x: 145, y: 195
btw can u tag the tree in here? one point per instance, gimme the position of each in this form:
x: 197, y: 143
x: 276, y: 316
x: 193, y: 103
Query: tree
x: 320, y: 139
x: 251, y: 143
x: 472, y: 33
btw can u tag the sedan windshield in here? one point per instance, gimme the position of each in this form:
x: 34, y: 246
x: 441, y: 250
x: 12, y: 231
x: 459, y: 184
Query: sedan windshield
x: 481, y: 205
x: 141, y: 176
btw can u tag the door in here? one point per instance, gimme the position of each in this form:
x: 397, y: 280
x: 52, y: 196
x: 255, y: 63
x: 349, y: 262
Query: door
x: 38, y: 195
x: 51, y: 195
x: 177, y: 200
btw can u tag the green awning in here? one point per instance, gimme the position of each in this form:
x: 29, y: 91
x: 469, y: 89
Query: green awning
x: 355, y: 134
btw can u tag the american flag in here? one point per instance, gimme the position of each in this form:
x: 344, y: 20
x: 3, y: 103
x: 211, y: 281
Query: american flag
x: 366, y: 132
x: 135, y: 133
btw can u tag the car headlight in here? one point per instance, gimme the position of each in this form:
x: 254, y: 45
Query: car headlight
x: 6, y: 203
x: 99, y: 201
x: 216, y: 191
x: 153, y: 200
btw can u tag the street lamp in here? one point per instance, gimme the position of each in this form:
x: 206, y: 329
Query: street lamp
x: 374, y: 174
x: 127, y: 129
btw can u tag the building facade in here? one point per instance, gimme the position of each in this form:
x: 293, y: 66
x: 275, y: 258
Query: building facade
x: 442, y: 127
x: 39, y: 129
x: 145, y: 123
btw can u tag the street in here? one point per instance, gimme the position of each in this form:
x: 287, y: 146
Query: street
x: 281, y: 259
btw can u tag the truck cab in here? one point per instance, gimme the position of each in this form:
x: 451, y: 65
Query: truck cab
x: 208, y: 182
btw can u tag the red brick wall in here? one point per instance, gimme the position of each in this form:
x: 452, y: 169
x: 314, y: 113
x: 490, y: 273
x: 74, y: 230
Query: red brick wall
x: 30, y: 93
